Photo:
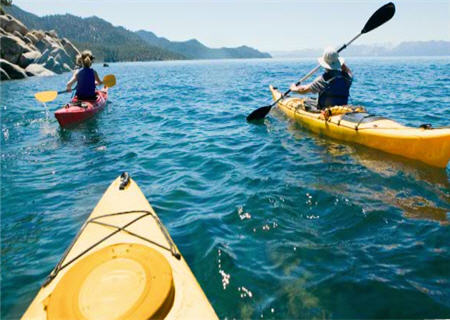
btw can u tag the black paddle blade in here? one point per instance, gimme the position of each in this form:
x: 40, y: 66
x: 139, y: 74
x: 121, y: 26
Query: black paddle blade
x: 382, y: 15
x: 259, y: 114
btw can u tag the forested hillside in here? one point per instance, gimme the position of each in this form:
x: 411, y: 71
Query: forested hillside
x: 115, y: 43
x: 108, y: 43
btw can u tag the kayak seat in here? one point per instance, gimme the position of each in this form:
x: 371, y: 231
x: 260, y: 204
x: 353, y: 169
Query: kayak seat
x: 93, y: 98
x: 81, y: 102
x: 310, y: 105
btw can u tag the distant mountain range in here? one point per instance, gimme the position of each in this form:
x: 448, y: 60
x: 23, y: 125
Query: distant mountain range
x: 193, y: 49
x: 411, y: 48
x: 111, y: 43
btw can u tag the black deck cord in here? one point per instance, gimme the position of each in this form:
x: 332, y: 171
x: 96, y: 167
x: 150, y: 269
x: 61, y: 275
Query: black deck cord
x: 361, y: 120
x: 61, y: 266
x: 426, y: 126
x: 429, y: 126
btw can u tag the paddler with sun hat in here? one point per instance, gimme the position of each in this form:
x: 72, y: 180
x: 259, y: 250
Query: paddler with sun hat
x: 333, y: 86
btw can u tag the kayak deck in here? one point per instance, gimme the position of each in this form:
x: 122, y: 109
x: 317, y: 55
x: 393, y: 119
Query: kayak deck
x: 79, y: 111
x: 118, y: 238
x: 431, y: 146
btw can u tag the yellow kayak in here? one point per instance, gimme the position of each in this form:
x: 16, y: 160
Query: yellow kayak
x: 348, y: 123
x: 122, y: 265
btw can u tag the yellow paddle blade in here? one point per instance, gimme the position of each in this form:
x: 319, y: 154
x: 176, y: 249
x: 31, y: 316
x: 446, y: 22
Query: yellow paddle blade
x: 46, y: 96
x: 109, y: 80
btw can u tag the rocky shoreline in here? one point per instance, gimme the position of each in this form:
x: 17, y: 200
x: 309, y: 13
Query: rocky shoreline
x: 26, y: 53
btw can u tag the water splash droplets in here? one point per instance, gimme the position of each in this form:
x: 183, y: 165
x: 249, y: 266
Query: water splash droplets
x: 6, y: 134
x: 244, y: 292
x: 243, y: 215
x: 225, y: 279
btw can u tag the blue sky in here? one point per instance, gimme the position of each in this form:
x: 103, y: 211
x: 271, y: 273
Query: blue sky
x: 263, y: 24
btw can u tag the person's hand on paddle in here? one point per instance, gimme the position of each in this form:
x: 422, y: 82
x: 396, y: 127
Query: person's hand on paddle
x: 293, y: 87
x: 299, y: 88
x: 69, y: 88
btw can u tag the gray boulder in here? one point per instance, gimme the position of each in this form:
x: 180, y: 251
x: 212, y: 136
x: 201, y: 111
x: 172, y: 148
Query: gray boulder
x: 48, y: 42
x: 55, y: 58
x: 66, y: 67
x: 18, y: 35
x: 28, y: 58
x: 27, y: 41
x: 71, y: 50
x: 58, y: 68
x: 35, y: 69
x: 12, y: 24
x: 4, y: 19
x: 52, y: 34
x: 13, y: 71
x: 4, y: 75
x: 12, y: 47
x: 44, y: 57
x: 43, y: 44
x: 61, y: 56
x: 50, y: 63
x: 32, y: 37
x: 53, y: 65
x: 39, y: 34
x: 55, y: 42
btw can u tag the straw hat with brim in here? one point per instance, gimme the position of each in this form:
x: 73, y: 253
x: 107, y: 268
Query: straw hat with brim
x: 330, y: 59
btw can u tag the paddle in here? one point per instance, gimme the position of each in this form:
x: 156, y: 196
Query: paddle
x: 47, y: 96
x: 381, y: 16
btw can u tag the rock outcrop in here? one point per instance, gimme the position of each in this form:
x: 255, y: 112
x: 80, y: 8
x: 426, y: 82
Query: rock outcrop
x: 13, y: 71
x: 26, y: 53
x: 35, y: 69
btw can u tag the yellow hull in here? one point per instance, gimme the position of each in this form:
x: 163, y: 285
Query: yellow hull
x: 130, y: 273
x: 431, y: 146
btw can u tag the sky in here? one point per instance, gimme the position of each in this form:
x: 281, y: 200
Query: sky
x: 268, y: 25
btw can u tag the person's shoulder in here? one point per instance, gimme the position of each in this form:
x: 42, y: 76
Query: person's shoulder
x: 319, y: 78
x: 348, y: 75
x: 327, y: 75
x: 317, y: 85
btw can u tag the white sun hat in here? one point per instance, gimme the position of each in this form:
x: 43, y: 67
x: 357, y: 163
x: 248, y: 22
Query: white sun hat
x: 330, y: 59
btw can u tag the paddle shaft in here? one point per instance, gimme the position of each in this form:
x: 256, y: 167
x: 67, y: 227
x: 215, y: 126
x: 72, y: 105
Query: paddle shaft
x: 314, y: 71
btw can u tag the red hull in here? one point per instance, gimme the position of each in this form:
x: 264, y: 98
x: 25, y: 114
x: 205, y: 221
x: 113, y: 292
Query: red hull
x: 72, y: 114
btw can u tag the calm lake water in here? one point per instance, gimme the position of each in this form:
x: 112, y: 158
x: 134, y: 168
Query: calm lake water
x: 275, y: 222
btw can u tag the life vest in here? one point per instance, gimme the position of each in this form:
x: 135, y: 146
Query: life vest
x: 86, y: 83
x: 337, y: 90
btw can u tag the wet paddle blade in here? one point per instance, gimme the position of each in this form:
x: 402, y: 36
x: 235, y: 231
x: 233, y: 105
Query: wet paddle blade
x: 381, y: 16
x: 109, y: 80
x: 46, y: 96
x: 259, y: 114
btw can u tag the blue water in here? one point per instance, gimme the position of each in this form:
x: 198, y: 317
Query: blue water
x: 274, y: 221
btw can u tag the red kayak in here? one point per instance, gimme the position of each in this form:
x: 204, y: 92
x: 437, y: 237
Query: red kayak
x: 78, y: 111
